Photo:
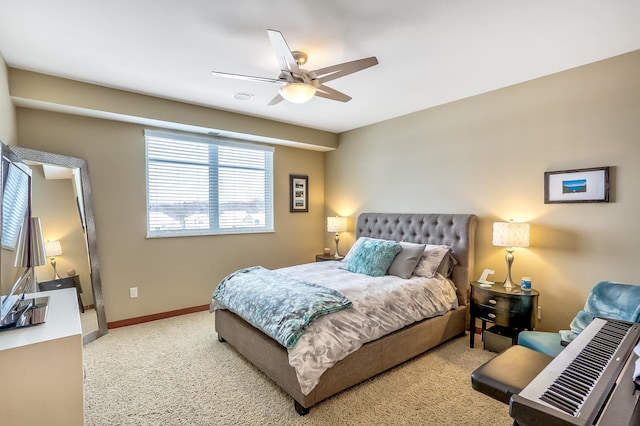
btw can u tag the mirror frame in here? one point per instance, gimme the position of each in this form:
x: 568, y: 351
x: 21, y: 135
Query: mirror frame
x: 27, y: 154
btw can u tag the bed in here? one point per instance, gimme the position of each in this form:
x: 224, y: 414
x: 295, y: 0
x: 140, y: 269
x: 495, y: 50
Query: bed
x: 454, y: 230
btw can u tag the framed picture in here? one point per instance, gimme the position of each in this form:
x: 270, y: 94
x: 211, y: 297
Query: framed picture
x: 577, y: 186
x: 298, y: 193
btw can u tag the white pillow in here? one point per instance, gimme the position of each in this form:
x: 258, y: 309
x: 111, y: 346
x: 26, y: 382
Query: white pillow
x: 432, y: 258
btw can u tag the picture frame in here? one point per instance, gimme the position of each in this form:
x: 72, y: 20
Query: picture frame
x: 590, y: 185
x: 298, y: 193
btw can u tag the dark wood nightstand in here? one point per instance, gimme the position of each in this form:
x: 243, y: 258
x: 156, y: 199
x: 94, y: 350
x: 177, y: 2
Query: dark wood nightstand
x: 514, y: 308
x: 66, y: 282
x: 325, y: 257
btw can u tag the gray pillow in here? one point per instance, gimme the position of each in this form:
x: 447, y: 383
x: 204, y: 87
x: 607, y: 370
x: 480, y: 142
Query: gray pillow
x: 446, y: 266
x: 406, y: 261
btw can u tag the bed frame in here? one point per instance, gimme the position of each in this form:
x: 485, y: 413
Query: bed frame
x: 455, y: 230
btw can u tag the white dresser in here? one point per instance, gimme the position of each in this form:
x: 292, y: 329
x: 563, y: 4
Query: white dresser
x: 41, y: 369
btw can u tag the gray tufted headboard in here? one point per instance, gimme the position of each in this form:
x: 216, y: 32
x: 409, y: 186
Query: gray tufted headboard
x: 455, y: 230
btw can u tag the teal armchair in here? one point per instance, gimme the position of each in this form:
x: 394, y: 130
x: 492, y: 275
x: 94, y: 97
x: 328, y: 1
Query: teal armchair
x: 607, y: 299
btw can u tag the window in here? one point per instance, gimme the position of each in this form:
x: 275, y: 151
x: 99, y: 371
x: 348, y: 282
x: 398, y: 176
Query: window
x: 203, y: 186
x: 15, y: 203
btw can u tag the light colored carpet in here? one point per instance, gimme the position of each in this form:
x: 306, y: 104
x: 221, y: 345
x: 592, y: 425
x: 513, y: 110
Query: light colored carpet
x: 89, y: 321
x: 175, y: 372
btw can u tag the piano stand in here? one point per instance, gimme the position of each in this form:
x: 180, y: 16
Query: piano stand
x: 509, y: 372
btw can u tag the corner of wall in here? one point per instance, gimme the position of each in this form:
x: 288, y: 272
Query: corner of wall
x: 8, y: 126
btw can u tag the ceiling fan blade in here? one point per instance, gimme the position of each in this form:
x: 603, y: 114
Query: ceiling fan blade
x: 247, y: 77
x: 333, y: 94
x: 282, y: 51
x: 331, y: 73
x: 276, y: 100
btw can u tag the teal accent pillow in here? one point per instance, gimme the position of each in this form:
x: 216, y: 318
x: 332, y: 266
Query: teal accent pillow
x: 373, y: 257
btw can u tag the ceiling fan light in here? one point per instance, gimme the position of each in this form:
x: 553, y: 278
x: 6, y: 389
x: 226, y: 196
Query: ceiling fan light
x: 297, y: 93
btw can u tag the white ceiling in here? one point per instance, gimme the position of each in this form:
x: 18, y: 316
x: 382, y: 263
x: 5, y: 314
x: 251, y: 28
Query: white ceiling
x: 430, y: 52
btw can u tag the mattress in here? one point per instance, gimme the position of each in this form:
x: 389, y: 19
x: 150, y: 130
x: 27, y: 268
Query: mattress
x: 380, y: 305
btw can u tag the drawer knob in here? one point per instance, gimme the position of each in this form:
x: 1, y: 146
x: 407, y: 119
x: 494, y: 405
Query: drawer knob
x: 493, y: 302
x: 492, y: 316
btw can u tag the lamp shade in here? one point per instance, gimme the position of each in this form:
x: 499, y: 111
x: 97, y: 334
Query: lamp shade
x: 38, y: 257
x: 336, y: 224
x: 30, y: 249
x: 510, y: 234
x: 53, y: 248
x: 297, y: 93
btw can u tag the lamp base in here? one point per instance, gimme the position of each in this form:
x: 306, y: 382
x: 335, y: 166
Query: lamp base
x: 55, y: 271
x: 337, y: 255
x: 508, y: 282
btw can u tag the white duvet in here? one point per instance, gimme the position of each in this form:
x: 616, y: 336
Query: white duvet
x: 381, y: 305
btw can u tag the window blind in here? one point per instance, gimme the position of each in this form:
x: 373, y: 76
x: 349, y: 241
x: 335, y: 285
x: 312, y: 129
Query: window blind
x: 202, y: 186
x: 15, y: 202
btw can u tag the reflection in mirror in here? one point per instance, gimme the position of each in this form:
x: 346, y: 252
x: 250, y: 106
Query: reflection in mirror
x: 15, y: 211
x: 65, y: 208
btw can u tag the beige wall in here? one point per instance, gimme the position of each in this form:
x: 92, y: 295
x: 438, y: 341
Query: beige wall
x: 8, y: 128
x: 170, y: 273
x: 487, y: 155
x: 8, y: 132
x: 54, y: 93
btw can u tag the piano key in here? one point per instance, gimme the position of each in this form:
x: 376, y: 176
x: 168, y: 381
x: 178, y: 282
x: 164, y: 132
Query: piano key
x: 589, y: 375
x: 577, y: 378
x: 557, y: 404
x: 569, y: 382
x: 596, y: 355
x: 566, y: 393
x: 590, y: 364
x: 605, y: 346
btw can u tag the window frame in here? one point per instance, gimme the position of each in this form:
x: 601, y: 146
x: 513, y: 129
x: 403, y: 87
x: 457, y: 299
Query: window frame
x: 212, y: 165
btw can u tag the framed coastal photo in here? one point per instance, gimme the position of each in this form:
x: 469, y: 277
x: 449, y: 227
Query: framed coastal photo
x: 298, y: 193
x: 577, y: 186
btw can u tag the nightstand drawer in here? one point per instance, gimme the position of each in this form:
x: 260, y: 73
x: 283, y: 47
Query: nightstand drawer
x: 507, y: 318
x: 57, y: 284
x: 497, y: 301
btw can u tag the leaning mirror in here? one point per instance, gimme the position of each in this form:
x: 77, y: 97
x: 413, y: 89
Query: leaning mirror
x: 62, y: 199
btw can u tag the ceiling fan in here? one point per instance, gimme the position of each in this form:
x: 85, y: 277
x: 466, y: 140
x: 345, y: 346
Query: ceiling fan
x: 298, y: 85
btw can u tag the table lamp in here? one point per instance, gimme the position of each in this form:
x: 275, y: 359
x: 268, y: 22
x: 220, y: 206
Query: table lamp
x: 336, y: 224
x: 510, y: 234
x: 53, y: 248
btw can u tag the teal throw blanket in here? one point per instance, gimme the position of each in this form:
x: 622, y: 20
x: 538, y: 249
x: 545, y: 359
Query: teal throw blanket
x: 277, y: 304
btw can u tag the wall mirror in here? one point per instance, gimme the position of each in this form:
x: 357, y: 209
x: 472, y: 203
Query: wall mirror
x: 75, y: 173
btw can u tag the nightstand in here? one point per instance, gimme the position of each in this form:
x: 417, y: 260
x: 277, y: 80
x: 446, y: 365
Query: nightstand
x: 66, y: 282
x: 514, y: 308
x: 325, y: 257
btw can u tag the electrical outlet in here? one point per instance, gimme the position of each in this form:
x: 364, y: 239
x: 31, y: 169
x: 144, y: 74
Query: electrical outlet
x: 540, y: 313
x: 133, y: 292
